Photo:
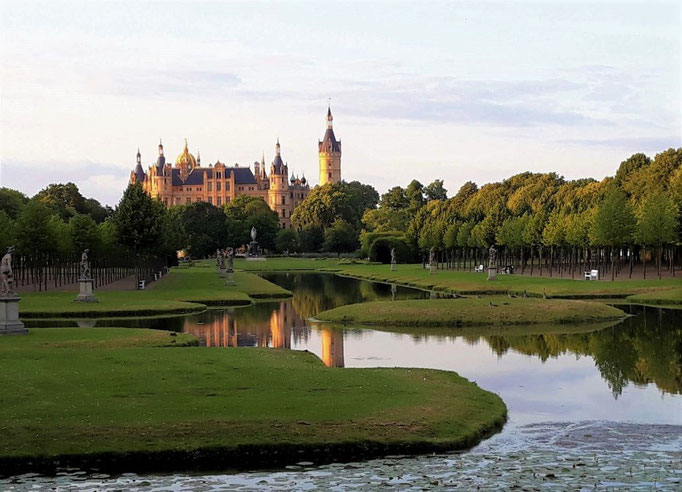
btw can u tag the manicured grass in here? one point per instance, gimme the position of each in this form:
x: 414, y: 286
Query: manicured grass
x: 659, y: 297
x: 78, y: 394
x: 469, y: 282
x: 471, y: 312
x: 287, y: 264
x: 183, y: 290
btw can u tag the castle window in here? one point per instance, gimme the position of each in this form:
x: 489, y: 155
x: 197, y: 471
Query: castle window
x: 291, y: 195
x: 210, y: 186
x: 189, y: 200
x: 217, y: 186
x: 241, y: 188
x: 210, y: 200
x: 219, y: 202
x: 227, y: 186
x: 177, y: 200
x: 189, y: 189
x: 227, y: 200
x: 218, y: 174
x: 284, y: 200
x: 284, y: 213
x: 330, y: 175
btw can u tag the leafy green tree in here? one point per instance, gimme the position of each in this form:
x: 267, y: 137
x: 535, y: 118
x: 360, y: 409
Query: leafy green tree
x: 139, y: 221
x: 394, y: 199
x: 34, y: 232
x: 340, y: 237
x: 12, y: 202
x: 435, y: 191
x: 613, y: 224
x: 385, y: 219
x: 287, y: 240
x: 65, y: 199
x: 7, y: 228
x: 83, y: 233
x: 415, y: 195
x: 311, y: 239
x: 657, y: 223
x: 204, y: 228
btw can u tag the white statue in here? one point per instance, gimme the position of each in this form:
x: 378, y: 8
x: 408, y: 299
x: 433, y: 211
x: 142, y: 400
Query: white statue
x: 253, y: 233
x: 6, y: 274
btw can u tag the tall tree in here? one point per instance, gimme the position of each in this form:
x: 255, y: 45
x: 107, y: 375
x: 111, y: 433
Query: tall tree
x: 657, y: 223
x: 613, y: 224
x: 436, y: 191
x: 139, y: 221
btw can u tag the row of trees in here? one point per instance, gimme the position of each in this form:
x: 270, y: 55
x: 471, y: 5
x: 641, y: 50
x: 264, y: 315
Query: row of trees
x: 542, y: 221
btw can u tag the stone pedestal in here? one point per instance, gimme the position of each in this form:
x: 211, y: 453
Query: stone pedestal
x: 230, y: 278
x: 492, y: 272
x: 9, y: 317
x: 85, y: 291
x: 222, y: 272
x: 392, y: 267
x: 432, y: 267
x: 255, y: 258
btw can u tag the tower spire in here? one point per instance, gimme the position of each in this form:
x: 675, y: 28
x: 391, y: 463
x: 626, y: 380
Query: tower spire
x: 277, y: 148
x: 330, y: 118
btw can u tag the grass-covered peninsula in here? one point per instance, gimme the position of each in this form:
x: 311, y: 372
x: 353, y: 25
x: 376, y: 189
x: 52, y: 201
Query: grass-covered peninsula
x: 183, y: 290
x: 127, y: 399
x: 471, y: 311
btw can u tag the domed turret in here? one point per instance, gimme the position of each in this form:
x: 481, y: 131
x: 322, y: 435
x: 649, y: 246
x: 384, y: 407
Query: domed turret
x: 139, y: 172
x: 186, y: 159
x: 277, y: 166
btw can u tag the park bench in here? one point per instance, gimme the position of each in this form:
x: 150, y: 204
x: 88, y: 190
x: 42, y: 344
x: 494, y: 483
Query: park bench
x: 478, y: 269
x: 509, y: 269
x: 140, y: 284
x: 591, y: 274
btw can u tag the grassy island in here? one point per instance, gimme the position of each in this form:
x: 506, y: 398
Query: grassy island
x: 183, y: 290
x: 471, y: 311
x: 127, y: 399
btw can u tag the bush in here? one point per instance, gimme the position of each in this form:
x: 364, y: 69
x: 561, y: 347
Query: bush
x: 367, y: 238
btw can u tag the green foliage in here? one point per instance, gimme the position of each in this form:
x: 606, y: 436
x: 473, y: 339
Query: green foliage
x: 12, y: 202
x: 83, y: 233
x: 657, y: 221
x: 311, y: 239
x: 367, y: 238
x: 436, y: 191
x: 245, y: 212
x: 614, y: 221
x: 380, y: 250
x: 554, y: 233
x: 341, y: 237
x: 385, y: 219
x: 201, y: 224
x: 34, y: 231
x: 7, y: 228
x: 287, y: 240
x: 511, y: 232
x: 139, y: 221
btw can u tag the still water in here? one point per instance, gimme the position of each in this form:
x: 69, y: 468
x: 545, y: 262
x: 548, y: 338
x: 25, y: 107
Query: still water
x: 589, y: 406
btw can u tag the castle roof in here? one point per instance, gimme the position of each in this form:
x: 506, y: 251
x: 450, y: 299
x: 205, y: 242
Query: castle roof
x: 139, y: 173
x: 329, y: 142
x: 242, y: 176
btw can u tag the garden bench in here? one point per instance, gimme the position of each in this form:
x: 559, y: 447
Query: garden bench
x: 478, y: 269
x: 591, y: 274
x: 140, y: 284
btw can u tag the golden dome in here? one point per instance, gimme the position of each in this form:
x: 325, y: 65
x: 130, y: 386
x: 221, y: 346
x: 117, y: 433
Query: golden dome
x: 186, y: 159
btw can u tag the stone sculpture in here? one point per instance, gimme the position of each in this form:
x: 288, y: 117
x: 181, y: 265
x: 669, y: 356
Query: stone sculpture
x: 393, y: 260
x: 492, y: 268
x: 6, y: 275
x: 230, y: 267
x: 85, y: 266
x: 85, y: 282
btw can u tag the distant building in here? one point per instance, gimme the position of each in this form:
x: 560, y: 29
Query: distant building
x: 188, y: 182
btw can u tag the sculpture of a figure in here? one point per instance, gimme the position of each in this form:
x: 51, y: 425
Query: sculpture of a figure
x: 492, y: 254
x: 221, y: 259
x: 85, y: 265
x: 217, y: 258
x: 253, y: 234
x: 230, y: 259
x: 432, y: 255
x: 6, y: 274
x: 393, y: 255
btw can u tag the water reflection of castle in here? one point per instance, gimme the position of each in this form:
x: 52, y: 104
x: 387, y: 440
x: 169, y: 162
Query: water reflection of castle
x: 272, y: 325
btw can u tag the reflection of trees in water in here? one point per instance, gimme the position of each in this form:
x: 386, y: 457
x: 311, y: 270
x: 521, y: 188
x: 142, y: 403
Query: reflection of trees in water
x: 641, y: 350
x: 314, y: 293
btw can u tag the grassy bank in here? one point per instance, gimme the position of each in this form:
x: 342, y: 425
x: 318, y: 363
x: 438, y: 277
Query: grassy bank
x: 672, y: 296
x: 469, y: 282
x: 287, y: 264
x: 115, y: 400
x: 471, y: 312
x: 183, y: 290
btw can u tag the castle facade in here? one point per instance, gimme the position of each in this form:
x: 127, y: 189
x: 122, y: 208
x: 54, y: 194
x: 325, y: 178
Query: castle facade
x: 188, y: 182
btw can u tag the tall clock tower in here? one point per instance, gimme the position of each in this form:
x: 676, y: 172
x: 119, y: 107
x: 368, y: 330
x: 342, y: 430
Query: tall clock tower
x: 330, y: 154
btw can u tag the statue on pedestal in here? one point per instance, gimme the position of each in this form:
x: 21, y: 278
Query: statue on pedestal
x: 230, y: 259
x: 432, y: 261
x: 393, y: 260
x: 492, y: 255
x: 85, y: 266
x: 6, y: 275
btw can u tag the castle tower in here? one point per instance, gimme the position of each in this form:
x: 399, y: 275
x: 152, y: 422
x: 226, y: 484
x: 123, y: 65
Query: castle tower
x: 279, y: 189
x: 330, y: 154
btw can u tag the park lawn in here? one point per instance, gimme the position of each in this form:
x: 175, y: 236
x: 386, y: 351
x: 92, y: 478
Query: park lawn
x: 471, y: 311
x: 287, y: 264
x: 183, y: 290
x: 76, y: 394
x: 672, y: 296
x: 469, y: 282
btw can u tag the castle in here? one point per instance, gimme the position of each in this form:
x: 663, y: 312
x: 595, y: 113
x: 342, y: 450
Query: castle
x: 188, y: 182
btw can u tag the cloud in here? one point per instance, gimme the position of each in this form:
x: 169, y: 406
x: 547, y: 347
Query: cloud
x: 640, y: 144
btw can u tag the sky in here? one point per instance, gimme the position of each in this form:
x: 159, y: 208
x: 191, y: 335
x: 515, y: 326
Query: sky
x: 456, y: 91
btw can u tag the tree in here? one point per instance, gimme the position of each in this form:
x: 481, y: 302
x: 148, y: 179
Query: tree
x: 340, y: 237
x: 394, y: 199
x: 435, y: 191
x: 34, y: 233
x: 7, y: 228
x: 287, y: 240
x: 12, y: 202
x: 657, y: 223
x: 613, y: 223
x: 64, y: 199
x: 204, y: 228
x: 139, y: 221
x: 311, y: 239
x: 415, y: 195
x: 265, y: 220
x: 83, y: 233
